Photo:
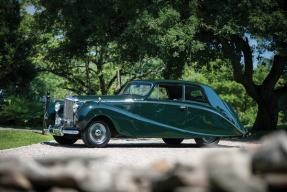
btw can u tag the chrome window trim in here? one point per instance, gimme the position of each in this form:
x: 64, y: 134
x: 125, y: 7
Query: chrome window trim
x: 131, y: 82
x: 157, y: 86
x: 203, y: 93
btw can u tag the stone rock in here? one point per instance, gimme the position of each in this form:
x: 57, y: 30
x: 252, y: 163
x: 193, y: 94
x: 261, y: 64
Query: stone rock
x: 191, y: 189
x: 161, y: 165
x: 14, y: 181
x: 272, y: 155
x: 276, y: 181
x: 231, y: 171
x: 58, y: 189
x: 65, y: 174
x: 256, y: 170
x: 181, y: 177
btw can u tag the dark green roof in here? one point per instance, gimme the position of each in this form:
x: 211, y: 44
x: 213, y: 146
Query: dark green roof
x: 169, y: 81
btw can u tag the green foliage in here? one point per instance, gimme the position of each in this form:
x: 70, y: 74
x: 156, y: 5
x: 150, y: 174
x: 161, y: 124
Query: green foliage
x: 89, y: 45
x: 13, y: 139
x: 219, y: 76
x: 48, y: 82
x: 16, y: 67
x: 78, y: 44
x: 22, y: 112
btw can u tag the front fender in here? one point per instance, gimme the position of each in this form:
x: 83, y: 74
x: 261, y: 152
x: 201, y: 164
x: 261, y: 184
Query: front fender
x: 89, y: 111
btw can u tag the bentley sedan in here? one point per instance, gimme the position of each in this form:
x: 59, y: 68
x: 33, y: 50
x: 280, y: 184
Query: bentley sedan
x: 171, y: 110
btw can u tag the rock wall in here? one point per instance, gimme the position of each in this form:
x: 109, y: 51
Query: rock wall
x: 254, y: 170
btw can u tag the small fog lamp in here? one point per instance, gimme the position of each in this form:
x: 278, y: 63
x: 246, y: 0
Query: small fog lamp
x: 57, y: 106
x: 75, y: 107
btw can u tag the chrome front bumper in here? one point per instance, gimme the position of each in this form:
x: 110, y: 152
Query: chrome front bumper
x: 60, y: 131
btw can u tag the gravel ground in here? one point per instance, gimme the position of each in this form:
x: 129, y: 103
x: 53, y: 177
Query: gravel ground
x: 136, y: 153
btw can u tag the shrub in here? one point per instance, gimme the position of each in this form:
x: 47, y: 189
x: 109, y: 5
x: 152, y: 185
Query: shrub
x: 22, y: 112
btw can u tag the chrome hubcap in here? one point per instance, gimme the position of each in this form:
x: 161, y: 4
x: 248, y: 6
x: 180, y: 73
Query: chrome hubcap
x: 209, y: 139
x: 98, y: 133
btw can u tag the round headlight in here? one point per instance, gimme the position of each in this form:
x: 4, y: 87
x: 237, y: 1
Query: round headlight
x: 57, y: 106
x: 75, y: 107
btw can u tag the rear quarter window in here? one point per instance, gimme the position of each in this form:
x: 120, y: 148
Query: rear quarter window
x: 194, y: 93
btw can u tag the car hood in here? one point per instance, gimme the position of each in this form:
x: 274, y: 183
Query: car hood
x: 107, y: 98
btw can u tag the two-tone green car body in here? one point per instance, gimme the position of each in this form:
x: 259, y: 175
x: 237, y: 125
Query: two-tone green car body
x: 172, y: 110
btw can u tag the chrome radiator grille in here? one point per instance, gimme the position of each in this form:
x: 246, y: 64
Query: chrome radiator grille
x: 68, y: 109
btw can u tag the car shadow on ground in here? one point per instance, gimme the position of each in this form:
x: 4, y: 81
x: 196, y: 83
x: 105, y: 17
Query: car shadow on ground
x: 251, y: 139
x: 130, y: 144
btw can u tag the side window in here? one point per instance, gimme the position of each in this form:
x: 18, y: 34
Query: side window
x: 163, y: 93
x: 193, y: 93
x: 167, y: 92
x: 154, y: 93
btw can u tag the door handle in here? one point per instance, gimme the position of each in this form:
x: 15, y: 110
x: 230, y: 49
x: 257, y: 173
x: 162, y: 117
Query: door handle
x: 182, y: 108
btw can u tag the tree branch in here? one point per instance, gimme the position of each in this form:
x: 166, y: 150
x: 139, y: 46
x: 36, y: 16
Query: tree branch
x: 74, y: 90
x: 111, y: 82
x: 235, y: 61
x: 247, y: 54
x: 275, y: 73
x: 66, y: 76
x: 145, y: 74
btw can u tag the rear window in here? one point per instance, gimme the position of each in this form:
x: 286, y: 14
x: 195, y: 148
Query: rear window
x: 194, y: 93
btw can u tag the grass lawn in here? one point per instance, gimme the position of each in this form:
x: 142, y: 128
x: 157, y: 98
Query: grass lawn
x: 13, y: 139
x: 22, y: 127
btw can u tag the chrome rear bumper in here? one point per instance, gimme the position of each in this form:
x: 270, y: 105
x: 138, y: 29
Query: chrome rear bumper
x: 60, y: 131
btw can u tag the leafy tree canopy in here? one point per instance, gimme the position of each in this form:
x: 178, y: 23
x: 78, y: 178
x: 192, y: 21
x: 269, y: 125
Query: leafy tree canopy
x: 16, y: 67
x: 219, y: 29
x: 121, y: 33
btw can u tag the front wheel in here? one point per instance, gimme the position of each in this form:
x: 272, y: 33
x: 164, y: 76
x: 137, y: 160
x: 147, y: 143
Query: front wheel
x: 206, y: 141
x: 170, y: 141
x: 98, y: 134
x: 65, y: 139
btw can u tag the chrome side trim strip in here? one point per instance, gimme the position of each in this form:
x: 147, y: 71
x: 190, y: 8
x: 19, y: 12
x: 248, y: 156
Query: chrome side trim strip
x: 176, y: 104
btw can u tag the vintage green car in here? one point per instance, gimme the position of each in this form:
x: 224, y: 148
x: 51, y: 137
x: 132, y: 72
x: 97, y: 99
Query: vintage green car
x: 171, y: 110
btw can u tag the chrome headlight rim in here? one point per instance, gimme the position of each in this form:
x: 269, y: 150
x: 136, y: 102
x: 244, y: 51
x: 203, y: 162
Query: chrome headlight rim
x: 75, y: 107
x: 57, y: 106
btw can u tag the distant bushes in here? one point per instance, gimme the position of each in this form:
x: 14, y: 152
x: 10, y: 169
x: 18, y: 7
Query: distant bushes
x: 22, y: 112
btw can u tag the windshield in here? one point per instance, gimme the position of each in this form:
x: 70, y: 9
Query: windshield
x: 137, y: 88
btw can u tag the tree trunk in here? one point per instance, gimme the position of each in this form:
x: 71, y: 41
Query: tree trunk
x: 88, y: 77
x: 119, y: 80
x: 265, y: 95
x: 267, y: 115
x: 102, y: 81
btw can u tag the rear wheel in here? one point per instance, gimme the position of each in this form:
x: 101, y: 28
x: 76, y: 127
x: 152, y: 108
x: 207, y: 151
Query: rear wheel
x: 207, y: 141
x: 170, y: 141
x: 65, y: 139
x: 98, y: 134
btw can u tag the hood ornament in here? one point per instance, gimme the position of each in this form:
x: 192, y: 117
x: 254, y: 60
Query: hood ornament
x: 71, y: 94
